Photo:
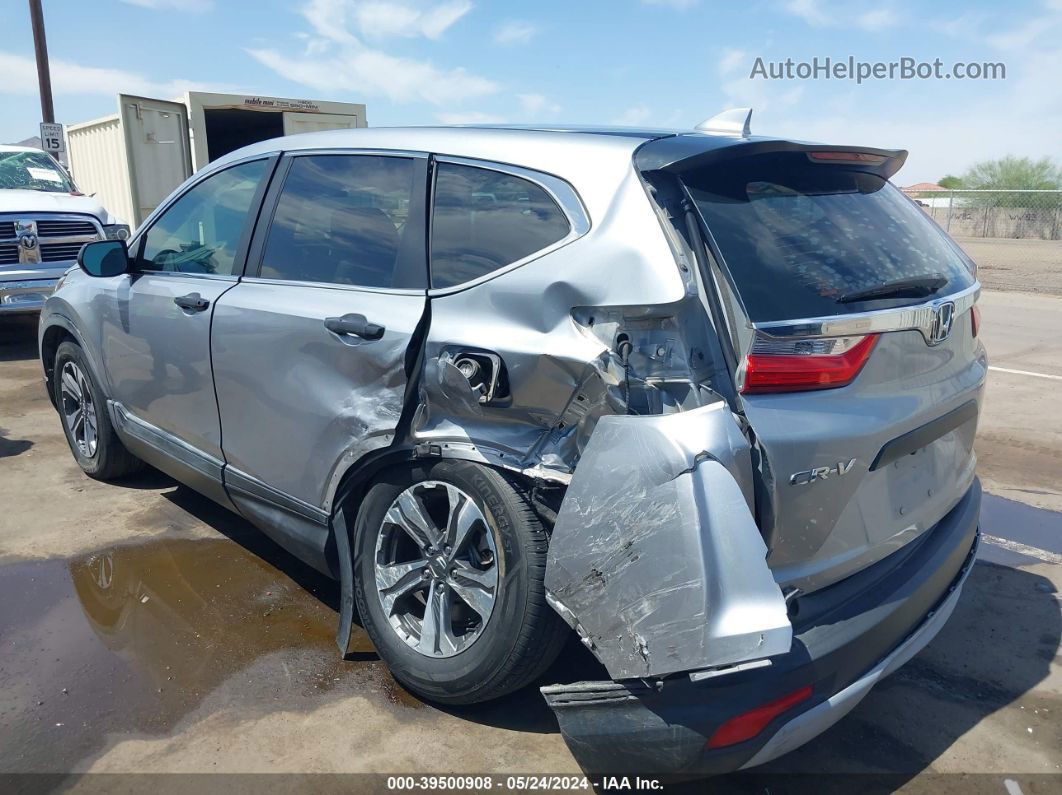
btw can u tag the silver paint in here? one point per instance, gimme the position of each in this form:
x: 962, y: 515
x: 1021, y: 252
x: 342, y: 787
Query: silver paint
x: 298, y: 403
x: 655, y: 552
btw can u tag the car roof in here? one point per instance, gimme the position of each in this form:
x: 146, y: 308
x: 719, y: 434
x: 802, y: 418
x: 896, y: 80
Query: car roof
x: 587, y: 157
x: 517, y: 143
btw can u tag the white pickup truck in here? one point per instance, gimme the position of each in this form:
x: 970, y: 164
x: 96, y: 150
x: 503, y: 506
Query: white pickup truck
x: 44, y: 221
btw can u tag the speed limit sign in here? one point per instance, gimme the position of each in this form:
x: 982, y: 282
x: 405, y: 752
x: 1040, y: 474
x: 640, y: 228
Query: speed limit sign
x: 52, y: 138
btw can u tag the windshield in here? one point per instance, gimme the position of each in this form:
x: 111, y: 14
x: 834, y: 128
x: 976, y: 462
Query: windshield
x: 802, y: 239
x: 33, y: 171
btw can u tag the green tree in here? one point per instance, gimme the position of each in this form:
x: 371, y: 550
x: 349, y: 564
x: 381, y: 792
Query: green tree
x: 1014, y: 173
x: 950, y: 181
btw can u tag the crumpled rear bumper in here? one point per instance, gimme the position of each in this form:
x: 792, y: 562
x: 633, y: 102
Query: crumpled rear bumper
x: 846, y: 638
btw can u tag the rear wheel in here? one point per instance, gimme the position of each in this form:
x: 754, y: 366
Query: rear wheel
x: 83, y: 412
x: 449, y: 560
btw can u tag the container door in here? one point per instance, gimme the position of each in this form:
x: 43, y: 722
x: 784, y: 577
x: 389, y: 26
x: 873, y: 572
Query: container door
x: 157, y: 150
x: 314, y: 122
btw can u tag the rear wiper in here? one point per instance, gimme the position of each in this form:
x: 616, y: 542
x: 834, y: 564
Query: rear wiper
x: 918, y: 287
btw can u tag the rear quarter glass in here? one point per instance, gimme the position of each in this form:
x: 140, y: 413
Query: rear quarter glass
x: 797, y: 235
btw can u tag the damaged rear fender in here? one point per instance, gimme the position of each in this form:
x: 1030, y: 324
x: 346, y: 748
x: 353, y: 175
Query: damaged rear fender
x: 655, y: 559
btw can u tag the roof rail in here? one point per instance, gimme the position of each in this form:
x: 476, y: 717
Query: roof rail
x: 735, y: 121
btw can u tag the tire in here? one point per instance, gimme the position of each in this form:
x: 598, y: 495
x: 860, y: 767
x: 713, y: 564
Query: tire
x: 484, y: 658
x: 106, y: 457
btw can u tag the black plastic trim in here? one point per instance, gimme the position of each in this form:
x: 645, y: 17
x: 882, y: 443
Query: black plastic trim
x: 235, y: 480
x: 661, y: 726
x: 920, y: 437
x: 172, y: 455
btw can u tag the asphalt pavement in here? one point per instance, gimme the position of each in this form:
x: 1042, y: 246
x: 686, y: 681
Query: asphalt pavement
x: 144, y: 629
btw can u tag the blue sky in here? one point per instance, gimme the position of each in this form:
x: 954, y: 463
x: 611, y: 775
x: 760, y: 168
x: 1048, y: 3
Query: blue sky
x: 638, y: 62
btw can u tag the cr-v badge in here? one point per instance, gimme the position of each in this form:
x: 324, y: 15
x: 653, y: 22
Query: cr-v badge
x: 821, y: 473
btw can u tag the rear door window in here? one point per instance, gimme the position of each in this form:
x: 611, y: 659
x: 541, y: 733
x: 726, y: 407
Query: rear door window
x: 341, y: 219
x: 484, y: 220
x: 803, y: 239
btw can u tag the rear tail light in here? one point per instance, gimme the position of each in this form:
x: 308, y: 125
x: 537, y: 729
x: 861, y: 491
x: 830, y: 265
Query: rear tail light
x: 748, y: 724
x: 975, y: 320
x: 798, y: 365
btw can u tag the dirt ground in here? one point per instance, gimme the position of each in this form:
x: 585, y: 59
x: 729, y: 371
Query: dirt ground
x: 1031, y: 266
x: 143, y: 629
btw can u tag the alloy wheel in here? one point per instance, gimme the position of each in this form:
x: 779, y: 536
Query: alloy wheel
x: 79, y: 411
x: 436, y: 568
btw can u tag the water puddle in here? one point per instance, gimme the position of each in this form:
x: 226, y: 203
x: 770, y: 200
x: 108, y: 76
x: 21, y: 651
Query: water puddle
x: 132, y: 638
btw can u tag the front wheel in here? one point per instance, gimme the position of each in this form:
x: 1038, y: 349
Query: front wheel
x: 449, y: 560
x: 83, y: 412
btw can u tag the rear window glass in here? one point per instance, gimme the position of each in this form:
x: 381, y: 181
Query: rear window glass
x: 802, y: 239
x: 484, y: 220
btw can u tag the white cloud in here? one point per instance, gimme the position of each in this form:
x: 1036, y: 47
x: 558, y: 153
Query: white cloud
x: 1023, y: 115
x: 336, y: 59
x: 468, y: 117
x: 194, y: 6
x: 1038, y: 30
x: 822, y: 14
x: 877, y: 19
x: 961, y: 26
x: 380, y: 18
x: 681, y: 5
x: 633, y: 116
x: 72, y: 78
x: 373, y: 73
x: 515, y: 31
x: 538, y: 105
x: 731, y: 59
x: 761, y: 95
x: 808, y: 10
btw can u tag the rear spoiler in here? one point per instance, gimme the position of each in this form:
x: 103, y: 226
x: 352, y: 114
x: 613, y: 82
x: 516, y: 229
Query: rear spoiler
x: 681, y: 153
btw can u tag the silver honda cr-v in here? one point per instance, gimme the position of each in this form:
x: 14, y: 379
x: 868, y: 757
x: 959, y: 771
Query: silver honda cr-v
x: 705, y: 399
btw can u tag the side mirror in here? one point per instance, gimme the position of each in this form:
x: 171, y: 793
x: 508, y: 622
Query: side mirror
x: 104, y: 258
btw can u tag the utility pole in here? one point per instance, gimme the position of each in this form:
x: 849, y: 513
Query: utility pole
x: 40, y: 47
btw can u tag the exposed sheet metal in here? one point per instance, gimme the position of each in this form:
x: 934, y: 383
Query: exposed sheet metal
x: 655, y: 558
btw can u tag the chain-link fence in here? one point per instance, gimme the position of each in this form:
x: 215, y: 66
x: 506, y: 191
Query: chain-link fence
x: 1017, y: 214
x: 1015, y: 236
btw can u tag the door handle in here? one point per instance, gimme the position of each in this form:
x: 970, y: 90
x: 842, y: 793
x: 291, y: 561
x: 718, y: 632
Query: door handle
x: 193, y: 302
x: 356, y: 325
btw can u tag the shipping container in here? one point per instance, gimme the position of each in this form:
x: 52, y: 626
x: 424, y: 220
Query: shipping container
x: 132, y: 160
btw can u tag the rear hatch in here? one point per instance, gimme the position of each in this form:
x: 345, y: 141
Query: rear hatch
x: 857, y: 363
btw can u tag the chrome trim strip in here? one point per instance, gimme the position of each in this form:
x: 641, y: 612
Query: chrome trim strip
x: 920, y: 317
x: 47, y: 216
x: 216, y: 277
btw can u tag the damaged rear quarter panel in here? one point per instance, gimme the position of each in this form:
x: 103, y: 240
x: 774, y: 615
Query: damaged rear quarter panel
x: 655, y: 555
x: 559, y: 376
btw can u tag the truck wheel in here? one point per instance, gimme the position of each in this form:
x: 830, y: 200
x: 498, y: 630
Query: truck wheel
x: 86, y: 423
x: 449, y: 560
